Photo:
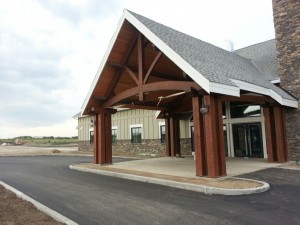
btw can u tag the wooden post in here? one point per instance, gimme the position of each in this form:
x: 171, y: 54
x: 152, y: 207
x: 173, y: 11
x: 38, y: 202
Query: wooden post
x: 177, y: 136
x: 96, y: 140
x: 174, y: 135
x: 201, y: 167
x: 269, y: 134
x: 220, y: 134
x: 108, y: 139
x: 215, y: 155
x: 281, y: 147
x: 102, y: 139
x: 168, y: 147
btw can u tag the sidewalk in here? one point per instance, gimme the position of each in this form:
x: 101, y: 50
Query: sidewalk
x: 180, y: 173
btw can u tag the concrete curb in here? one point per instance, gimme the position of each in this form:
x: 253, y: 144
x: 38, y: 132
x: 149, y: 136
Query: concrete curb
x: 186, y: 186
x: 55, y: 215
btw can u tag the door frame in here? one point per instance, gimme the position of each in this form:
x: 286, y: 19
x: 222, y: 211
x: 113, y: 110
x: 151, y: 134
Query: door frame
x: 247, y: 135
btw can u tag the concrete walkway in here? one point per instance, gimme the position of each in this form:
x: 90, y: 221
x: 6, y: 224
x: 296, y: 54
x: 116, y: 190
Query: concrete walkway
x: 180, y: 173
x: 185, y: 167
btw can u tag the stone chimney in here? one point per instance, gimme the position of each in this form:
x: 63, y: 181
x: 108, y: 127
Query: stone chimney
x: 286, y: 15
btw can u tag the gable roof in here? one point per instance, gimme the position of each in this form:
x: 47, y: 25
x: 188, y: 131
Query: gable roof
x: 214, y: 69
x: 264, y: 57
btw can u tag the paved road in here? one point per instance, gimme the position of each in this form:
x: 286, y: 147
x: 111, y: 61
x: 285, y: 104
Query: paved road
x: 95, y: 199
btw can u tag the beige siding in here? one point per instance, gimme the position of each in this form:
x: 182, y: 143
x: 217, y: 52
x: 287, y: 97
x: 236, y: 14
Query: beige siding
x: 84, y: 125
x: 123, y: 119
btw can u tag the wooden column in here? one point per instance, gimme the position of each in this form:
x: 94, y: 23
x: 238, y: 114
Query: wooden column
x: 215, y: 154
x: 174, y: 135
x: 281, y: 145
x: 201, y: 167
x: 269, y: 120
x: 102, y: 139
x: 96, y: 142
x: 275, y: 134
x: 168, y: 146
x: 220, y: 135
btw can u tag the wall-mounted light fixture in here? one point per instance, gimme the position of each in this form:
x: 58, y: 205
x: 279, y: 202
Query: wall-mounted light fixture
x: 204, y: 108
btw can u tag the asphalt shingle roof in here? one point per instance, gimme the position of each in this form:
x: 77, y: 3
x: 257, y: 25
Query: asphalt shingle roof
x: 264, y: 56
x: 214, y: 63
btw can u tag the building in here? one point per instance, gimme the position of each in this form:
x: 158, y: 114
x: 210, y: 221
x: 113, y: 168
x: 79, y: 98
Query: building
x: 152, y: 130
x: 229, y: 104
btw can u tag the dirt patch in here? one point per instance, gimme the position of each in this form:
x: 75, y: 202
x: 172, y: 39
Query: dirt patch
x: 36, y: 151
x: 231, y: 183
x: 14, y: 211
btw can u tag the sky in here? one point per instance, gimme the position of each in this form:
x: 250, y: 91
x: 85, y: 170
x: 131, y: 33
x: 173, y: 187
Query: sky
x: 50, y: 50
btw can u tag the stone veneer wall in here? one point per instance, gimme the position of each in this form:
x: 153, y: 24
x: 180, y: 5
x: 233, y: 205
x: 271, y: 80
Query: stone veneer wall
x: 85, y: 146
x: 147, y: 147
x: 287, y: 28
x: 185, y: 146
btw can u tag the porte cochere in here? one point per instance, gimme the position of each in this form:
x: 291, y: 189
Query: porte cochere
x: 151, y: 66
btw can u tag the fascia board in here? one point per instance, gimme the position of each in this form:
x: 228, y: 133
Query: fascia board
x: 277, y: 81
x: 265, y: 91
x: 169, y: 52
x: 284, y: 101
x: 224, y: 89
x: 103, y: 62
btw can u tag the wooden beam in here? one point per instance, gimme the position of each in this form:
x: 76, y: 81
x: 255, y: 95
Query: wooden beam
x: 141, y: 63
x: 132, y: 74
x: 155, y: 61
x: 96, y: 110
x: 154, y: 74
x: 117, y: 75
x: 157, y: 86
x: 99, y: 97
x: 144, y: 105
x: 247, y: 98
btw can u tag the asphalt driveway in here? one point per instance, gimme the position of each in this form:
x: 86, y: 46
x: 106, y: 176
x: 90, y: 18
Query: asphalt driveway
x: 95, y: 199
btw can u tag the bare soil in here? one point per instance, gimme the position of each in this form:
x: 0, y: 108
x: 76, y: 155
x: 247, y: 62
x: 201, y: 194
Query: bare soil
x: 231, y: 183
x: 34, y: 151
x: 15, y: 211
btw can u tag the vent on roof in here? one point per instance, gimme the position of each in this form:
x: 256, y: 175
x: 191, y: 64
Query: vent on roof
x: 229, y: 45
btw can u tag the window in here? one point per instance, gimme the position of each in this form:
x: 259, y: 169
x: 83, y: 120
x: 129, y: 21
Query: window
x: 114, y: 135
x: 136, y: 135
x: 91, y: 137
x: 162, y: 134
x: 244, y: 109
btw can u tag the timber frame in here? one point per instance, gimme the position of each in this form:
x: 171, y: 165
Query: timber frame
x: 137, y: 74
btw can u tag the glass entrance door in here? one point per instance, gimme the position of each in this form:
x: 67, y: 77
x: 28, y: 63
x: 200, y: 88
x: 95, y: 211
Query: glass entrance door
x: 247, y: 140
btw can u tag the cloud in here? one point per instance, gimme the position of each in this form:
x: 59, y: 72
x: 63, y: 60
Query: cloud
x: 76, y: 11
x: 50, y: 50
x: 46, y: 63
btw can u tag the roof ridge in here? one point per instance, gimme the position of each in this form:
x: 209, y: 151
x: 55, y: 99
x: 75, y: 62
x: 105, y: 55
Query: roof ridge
x: 249, y: 46
x: 195, y: 38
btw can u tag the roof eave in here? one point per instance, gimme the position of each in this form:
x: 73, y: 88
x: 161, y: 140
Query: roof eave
x: 266, y: 91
